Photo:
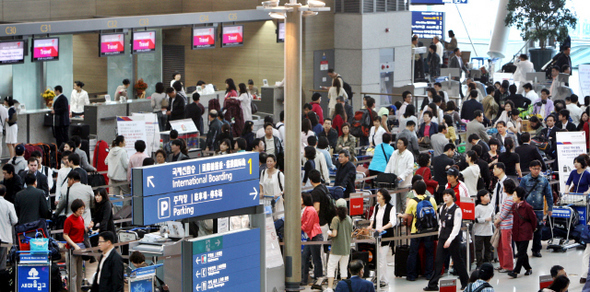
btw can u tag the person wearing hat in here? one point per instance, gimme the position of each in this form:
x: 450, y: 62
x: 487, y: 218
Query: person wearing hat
x: 449, y: 242
x: 19, y: 161
x: 453, y: 183
x: 340, y: 231
x: 482, y: 284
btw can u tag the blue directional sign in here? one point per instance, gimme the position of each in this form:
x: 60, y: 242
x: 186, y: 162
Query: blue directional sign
x: 199, y: 202
x: 33, y: 278
x: 224, y: 263
x: 428, y: 24
x: 194, y: 188
x: 197, y: 173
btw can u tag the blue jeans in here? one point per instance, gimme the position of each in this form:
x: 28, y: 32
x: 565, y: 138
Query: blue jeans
x: 315, y: 252
x: 537, y: 235
x: 413, y: 257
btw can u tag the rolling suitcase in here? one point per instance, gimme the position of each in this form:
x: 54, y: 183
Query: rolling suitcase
x: 100, y: 154
x: 401, y: 260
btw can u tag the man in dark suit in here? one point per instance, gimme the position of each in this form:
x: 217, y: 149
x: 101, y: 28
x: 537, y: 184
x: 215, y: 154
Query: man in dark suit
x: 346, y: 173
x: 433, y: 63
x: 439, y: 167
x: 528, y: 153
x: 12, y: 182
x: 564, y: 122
x: 469, y: 107
x: 176, y: 108
x: 41, y: 179
x: 457, y: 62
x: 214, y: 130
x: 193, y: 111
x: 564, y: 58
x: 61, y: 116
x: 30, y: 204
x: 110, y: 271
x: 548, y: 134
x: 356, y: 282
x: 474, y: 139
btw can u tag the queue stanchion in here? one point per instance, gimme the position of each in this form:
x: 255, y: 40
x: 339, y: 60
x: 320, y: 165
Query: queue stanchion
x: 378, y: 235
x: 33, y: 271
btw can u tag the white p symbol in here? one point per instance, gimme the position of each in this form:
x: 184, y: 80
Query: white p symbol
x: 164, y: 208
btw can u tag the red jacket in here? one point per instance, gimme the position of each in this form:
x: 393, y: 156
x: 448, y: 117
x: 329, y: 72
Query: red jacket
x: 337, y: 123
x: 316, y: 108
x: 427, y: 176
x: 310, y: 222
x: 525, y: 221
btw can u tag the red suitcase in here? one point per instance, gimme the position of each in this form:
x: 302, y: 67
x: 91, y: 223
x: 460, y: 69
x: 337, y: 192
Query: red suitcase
x: 100, y: 154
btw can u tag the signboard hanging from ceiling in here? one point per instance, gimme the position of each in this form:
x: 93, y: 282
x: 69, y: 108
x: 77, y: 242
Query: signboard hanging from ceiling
x: 428, y: 24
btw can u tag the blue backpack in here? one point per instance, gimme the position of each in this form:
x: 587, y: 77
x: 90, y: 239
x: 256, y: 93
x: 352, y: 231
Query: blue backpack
x: 426, y: 218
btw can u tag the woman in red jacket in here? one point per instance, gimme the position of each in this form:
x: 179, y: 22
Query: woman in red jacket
x: 424, y: 171
x: 310, y: 226
x: 525, y: 222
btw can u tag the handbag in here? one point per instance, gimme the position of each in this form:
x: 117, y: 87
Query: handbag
x: 386, y: 180
x: 495, y: 240
x: 48, y: 120
x: 39, y: 243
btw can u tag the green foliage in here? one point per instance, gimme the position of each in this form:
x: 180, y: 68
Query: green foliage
x: 540, y: 19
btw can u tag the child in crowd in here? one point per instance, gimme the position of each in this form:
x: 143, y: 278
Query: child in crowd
x: 482, y: 229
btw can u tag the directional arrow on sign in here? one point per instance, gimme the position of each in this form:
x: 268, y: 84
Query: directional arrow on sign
x: 217, y: 243
x: 255, y: 194
x: 150, y: 182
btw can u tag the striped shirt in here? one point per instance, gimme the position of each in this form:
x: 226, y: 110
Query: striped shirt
x: 506, y: 213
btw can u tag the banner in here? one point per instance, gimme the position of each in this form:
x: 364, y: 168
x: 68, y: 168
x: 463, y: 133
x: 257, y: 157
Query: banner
x: 133, y: 129
x: 569, y: 146
x: 584, y: 76
x: 152, y: 130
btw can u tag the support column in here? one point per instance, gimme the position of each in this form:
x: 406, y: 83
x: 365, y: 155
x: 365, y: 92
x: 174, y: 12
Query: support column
x: 293, y: 148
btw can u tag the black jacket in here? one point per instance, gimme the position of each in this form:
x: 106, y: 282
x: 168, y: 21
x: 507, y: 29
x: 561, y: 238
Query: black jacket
x: 62, y: 111
x: 345, y: 176
x: 439, y: 163
x: 177, y: 108
x: 31, y: 205
x: 570, y: 127
x: 528, y: 153
x: 41, y: 181
x: 332, y: 137
x: 214, y: 130
x: 111, y: 277
x: 193, y: 111
x: 103, y: 217
x: 469, y: 107
x: 519, y: 101
x: 13, y: 186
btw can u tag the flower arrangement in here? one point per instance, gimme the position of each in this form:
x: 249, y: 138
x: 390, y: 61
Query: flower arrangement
x: 140, y: 88
x: 48, y: 95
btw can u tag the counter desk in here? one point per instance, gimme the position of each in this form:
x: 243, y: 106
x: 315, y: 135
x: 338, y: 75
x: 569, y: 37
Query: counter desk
x: 102, y: 117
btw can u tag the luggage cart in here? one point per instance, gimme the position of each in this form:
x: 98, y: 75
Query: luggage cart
x: 557, y: 243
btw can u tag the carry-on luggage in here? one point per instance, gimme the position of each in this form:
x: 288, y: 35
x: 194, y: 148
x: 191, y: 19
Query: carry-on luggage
x: 100, y: 154
x: 401, y: 260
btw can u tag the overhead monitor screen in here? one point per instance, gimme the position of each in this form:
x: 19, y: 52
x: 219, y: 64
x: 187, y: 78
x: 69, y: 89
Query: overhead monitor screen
x: 232, y: 36
x: 112, y: 44
x: 12, y: 52
x: 45, y: 49
x: 203, y: 38
x: 144, y: 41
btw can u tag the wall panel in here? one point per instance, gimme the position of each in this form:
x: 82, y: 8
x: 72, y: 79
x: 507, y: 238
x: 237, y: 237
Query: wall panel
x: 65, y: 9
x: 88, y: 67
x: 26, y: 10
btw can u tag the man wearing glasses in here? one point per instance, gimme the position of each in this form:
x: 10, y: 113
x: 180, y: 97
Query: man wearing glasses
x: 537, y: 187
x: 109, y: 275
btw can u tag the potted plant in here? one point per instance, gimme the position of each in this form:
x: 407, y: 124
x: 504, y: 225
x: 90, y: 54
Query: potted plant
x: 48, y: 96
x: 540, y: 20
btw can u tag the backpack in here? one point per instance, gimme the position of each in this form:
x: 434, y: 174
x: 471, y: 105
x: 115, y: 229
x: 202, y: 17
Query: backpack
x: 426, y: 220
x: 361, y: 125
x: 348, y: 89
x: 478, y: 289
x: 332, y: 204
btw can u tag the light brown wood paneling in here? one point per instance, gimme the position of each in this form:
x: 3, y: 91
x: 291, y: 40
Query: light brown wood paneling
x: 137, y: 7
x: 65, y: 9
x: 88, y: 66
x: 25, y: 10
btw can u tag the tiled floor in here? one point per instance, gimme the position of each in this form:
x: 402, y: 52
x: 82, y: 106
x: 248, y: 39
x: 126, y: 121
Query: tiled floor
x: 570, y: 260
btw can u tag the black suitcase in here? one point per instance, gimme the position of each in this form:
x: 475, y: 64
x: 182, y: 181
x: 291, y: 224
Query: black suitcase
x: 401, y: 260
x: 96, y: 179
x: 7, y: 280
x: 81, y: 130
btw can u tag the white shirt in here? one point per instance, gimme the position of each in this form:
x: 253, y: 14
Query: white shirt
x: 471, y: 175
x: 499, y: 193
x: 439, y: 51
x: 3, y: 116
x: 281, y: 129
x: 270, y: 145
x: 246, y: 105
x: 531, y: 95
x: 376, y: 138
x: 332, y: 95
x: 62, y: 182
x: 575, y: 112
x: 401, y: 111
x: 401, y: 164
x: 102, y: 260
x: 522, y: 68
x: 260, y: 133
x: 8, y: 219
x: 378, y: 216
x: 78, y: 100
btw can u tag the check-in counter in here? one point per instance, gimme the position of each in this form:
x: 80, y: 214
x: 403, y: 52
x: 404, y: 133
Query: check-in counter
x: 31, y: 129
x: 204, y: 100
x: 102, y: 117
x: 271, y: 101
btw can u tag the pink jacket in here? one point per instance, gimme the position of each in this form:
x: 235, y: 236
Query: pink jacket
x: 310, y: 222
x: 136, y: 160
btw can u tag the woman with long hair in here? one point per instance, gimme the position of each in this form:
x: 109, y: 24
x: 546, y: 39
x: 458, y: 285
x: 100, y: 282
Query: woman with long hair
x: 340, y: 233
x: 103, y: 212
x: 409, y: 115
x: 339, y: 118
x: 346, y: 141
x: 316, y: 127
x: 224, y: 147
x: 12, y: 127
x: 451, y: 110
x: 248, y: 135
x: 579, y: 179
x: 245, y: 102
x: 224, y: 134
x: 230, y: 88
x: 306, y: 132
x: 335, y: 91
x: 156, y: 101
x: 310, y: 226
x: 510, y: 159
x: 451, y: 130
x: 309, y: 165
